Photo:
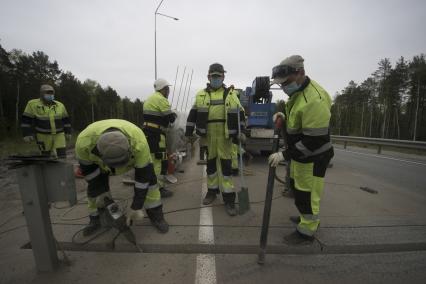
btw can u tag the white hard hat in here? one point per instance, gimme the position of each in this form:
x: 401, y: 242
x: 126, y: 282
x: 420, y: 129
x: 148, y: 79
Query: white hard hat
x: 159, y: 84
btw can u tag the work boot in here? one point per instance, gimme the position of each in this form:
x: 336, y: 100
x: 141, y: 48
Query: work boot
x: 296, y: 238
x: 230, y: 209
x: 295, y: 219
x: 157, y: 219
x: 210, y: 197
x: 93, y: 226
x: 229, y: 200
x: 165, y: 192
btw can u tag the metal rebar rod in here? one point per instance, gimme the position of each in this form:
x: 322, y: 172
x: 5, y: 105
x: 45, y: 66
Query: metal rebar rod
x: 187, y: 97
x: 180, y: 88
x: 174, y: 86
x: 184, y: 92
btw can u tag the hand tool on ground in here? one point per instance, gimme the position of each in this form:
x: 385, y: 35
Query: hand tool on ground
x: 113, y: 216
x: 268, y: 198
x: 243, y: 194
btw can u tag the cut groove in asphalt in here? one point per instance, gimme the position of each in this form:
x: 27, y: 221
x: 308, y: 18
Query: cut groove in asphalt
x: 206, y: 249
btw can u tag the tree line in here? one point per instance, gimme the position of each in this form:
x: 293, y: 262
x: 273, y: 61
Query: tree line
x: 388, y: 104
x: 21, y: 76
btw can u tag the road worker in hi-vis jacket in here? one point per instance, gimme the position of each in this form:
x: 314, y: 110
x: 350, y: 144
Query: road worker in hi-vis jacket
x: 46, y: 121
x: 214, y: 116
x: 158, y: 116
x: 113, y: 147
x: 307, y: 116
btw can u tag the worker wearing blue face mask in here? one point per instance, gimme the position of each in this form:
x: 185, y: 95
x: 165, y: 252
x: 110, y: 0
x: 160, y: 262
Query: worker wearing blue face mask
x: 307, y: 116
x: 214, y: 115
x: 46, y: 121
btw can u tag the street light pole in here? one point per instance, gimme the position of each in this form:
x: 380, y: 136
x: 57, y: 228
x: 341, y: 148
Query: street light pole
x: 155, y: 33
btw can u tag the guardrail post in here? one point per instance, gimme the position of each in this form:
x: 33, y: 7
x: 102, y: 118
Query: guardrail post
x: 379, y: 149
x: 35, y: 203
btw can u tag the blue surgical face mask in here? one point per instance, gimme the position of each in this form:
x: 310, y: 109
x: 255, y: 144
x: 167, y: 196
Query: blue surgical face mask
x: 290, y: 88
x: 216, y: 83
x: 49, y: 98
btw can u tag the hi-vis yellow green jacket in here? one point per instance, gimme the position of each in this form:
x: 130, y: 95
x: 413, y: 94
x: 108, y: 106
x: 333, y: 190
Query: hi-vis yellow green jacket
x: 39, y: 117
x: 94, y: 168
x: 308, y: 118
x: 215, y: 106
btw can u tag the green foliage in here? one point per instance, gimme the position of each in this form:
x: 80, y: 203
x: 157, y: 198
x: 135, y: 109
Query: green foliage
x: 22, y: 74
x: 388, y: 104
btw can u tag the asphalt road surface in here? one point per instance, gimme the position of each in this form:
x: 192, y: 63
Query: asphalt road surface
x: 364, y: 237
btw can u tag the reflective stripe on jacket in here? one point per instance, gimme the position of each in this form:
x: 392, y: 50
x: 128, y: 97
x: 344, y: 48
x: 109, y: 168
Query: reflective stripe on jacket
x: 39, y: 117
x: 308, y: 117
x: 212, y: 106
x: 157, y: 110
x: 89, y: 157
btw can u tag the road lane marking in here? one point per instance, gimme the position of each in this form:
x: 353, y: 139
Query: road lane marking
x: 382, y: 157
x: 206, y: 263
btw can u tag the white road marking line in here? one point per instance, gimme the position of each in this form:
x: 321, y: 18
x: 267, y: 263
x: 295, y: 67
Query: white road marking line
x: 382, y: 157
x: 206, y: 263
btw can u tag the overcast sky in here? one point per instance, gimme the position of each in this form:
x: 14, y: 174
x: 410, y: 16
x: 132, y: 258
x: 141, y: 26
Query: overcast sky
x: 112, y: 41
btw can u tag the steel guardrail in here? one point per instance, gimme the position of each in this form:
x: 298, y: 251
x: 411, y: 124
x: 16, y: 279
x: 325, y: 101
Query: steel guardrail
x: 380, y: 142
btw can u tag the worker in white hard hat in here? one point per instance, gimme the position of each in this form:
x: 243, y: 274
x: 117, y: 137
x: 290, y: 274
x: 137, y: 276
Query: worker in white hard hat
x: 158, y: 116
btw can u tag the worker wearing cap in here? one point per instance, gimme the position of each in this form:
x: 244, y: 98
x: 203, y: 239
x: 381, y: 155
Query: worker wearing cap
x: 113, y: 147
x: 46, y: 121
x: 214, y: 115
x: 158, y: 116
x: 307, y: 115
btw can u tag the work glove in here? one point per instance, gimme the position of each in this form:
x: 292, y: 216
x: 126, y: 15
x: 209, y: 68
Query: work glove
x: 133, y: 215
x: 275, y: 159
x: 277, y: 115
x: 242, y: 138
x: 28, y: 139
x: 68, y: 137
x: 100, y: 199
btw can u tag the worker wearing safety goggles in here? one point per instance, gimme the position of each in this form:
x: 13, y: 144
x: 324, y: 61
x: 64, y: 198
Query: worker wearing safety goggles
x: 307, y: 116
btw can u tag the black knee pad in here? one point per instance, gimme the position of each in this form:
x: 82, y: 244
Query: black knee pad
x: 302, y: 200
x: 164, y: 164
x: 211, y: 166
x: 98, y: 185
x: 226, y: 167
x: 61, y: 152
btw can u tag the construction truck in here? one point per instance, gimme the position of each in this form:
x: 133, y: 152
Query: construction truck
x: 259, y: 108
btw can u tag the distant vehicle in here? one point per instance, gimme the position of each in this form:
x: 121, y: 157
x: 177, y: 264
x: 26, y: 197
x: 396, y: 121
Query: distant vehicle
x: 259, y: 108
